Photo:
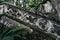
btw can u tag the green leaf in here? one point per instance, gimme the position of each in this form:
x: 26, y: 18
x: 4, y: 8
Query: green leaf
x: 16, y: 30
x: 31, y: 4
x: 7, y: 38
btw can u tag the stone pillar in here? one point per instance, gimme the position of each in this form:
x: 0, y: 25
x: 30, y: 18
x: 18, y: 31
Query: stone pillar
x: 1, y: 9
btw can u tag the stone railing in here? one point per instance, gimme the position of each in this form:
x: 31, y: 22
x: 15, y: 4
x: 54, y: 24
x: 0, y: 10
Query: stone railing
x: 35, y: 21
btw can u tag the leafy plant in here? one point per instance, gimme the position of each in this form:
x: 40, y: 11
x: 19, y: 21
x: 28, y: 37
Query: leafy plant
x: 14, y: 31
